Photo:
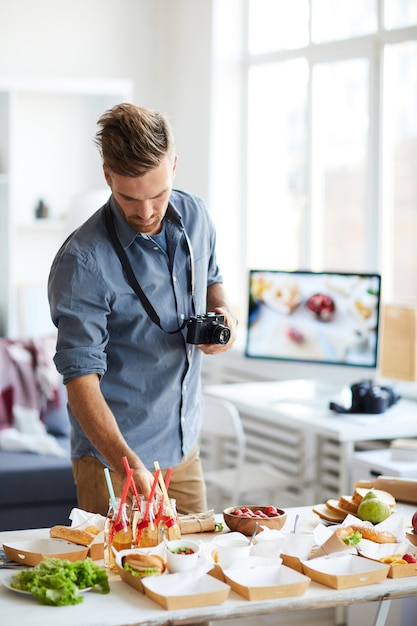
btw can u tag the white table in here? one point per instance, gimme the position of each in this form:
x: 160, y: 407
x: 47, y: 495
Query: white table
x: 126, y: 606
x: 279, y: 404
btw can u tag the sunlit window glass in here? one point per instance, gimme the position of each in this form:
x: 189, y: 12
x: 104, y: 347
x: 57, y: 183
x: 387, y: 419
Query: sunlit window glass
x: 277, y: 25
x: 332, y: 20
x: 400, y: 168
x: 277, y: 152
x: 339, y: 165
x: 400, y: 13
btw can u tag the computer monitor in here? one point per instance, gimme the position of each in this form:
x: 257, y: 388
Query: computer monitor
x: 314, y: 317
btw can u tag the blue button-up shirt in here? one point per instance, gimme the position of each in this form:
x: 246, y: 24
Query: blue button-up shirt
x: 149, y: 377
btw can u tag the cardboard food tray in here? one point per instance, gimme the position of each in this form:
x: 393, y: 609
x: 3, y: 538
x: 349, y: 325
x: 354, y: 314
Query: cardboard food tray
x: 281, y: 583
x: 401, y: 570
x: 133, y: 581
x: 398, y: 570
x: 171, y: 594
x: 96, y: 551
x: 293, y: 562
x: 33, y: 552
x: 345, y: 571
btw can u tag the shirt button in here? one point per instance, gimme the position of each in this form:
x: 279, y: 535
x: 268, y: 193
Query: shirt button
x: 182, y: 316
x: 174, y: 278
x: 155, y: 248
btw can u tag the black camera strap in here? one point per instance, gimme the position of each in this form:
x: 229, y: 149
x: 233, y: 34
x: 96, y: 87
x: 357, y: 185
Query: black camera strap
x: 131, y: 275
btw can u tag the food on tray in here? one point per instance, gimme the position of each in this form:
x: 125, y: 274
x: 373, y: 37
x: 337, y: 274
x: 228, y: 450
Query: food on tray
x: 322, y: 305
x: 74, y: 535
x: 93, y: 530
x: 350, y: 536
x: 184, y: 550
x: 328, y: 514
x: 268, y: 511
x: 335, y: 506
x: 374, y: 534
x: 399, y: 559
x: 58, y: 583
x: 362, y: 310
x: 242, y: 519
x: 142, y: 565
x: 360, y: 492
x: 341, y: 539
x: 348, y: 504
x: 287, y: 295
x: 336, y: 510
x: 283, y: 294
x: 373, y: 509
x: 259, y: 285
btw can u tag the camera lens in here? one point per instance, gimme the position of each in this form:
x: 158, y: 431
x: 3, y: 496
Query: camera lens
x: 217, y: 333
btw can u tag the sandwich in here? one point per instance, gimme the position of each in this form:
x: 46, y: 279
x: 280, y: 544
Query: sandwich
x: 349, y: 535
x: 142, y: 565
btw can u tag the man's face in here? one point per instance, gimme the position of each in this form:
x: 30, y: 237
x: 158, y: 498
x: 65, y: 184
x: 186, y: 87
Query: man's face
x: 143, y: 200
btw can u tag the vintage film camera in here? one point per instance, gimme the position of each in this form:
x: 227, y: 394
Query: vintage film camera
x: 208, y: 328
x: 368, y: 398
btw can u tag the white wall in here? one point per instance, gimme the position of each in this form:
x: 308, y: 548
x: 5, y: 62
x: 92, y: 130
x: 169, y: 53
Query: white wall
x: 162, y: 45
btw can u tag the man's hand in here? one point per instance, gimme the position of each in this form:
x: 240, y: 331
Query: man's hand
x: 144, y: 480
x: 231, y: 322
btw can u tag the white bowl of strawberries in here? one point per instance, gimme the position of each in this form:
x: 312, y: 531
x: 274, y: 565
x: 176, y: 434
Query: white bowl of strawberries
x: 243, y: 518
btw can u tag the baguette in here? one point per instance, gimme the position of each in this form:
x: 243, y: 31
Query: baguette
x: 74, y: 535
x: 373, y: 534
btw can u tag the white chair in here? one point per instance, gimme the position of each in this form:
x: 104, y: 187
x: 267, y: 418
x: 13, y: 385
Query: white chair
x: 231, y: 480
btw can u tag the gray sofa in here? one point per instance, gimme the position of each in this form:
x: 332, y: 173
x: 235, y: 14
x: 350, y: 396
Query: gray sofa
x: 38, y: 490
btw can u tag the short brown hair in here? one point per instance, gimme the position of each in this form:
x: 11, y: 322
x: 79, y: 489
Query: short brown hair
x: 133, y: 140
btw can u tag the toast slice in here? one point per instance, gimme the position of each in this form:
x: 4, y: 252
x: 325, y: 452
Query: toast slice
x: 335, y: 507
x: 324, y: 512
x: 348, y: 504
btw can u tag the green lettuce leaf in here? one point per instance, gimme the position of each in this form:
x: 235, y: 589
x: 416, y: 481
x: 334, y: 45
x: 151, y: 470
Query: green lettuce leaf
x: 58, y: 582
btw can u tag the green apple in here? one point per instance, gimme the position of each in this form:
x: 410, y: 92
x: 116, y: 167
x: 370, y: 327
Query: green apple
x: 372, y: 509
x: 369, y: 495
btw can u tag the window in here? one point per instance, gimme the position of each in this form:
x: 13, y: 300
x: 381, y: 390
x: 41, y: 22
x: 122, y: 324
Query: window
x: 322, y: 142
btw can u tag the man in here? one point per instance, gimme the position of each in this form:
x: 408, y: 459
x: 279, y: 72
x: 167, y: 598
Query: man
x: 133, y: 379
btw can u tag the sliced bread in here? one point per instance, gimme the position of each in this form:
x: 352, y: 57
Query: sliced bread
x: 348, y: 504
x: 323, y: 511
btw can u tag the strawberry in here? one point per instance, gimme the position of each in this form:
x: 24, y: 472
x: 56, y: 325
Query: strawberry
x: 271, y: 511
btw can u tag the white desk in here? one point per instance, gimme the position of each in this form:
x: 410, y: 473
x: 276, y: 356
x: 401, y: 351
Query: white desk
x: 277, y: 403
x: 126, y: 606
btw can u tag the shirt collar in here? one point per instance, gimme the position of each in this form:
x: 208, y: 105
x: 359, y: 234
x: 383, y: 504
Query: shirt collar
x: 127, y: 234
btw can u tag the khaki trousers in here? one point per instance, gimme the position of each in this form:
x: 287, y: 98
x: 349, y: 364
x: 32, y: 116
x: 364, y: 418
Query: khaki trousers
x: 186, y: 485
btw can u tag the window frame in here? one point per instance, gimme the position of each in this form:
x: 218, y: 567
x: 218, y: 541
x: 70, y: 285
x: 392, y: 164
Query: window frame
x: 379, y: 214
